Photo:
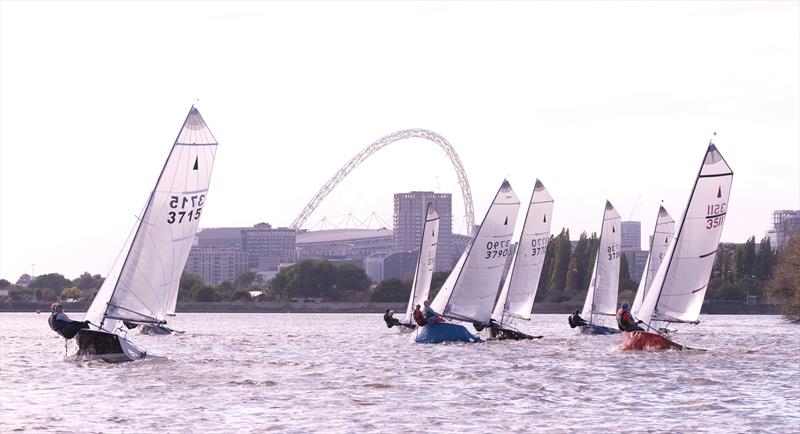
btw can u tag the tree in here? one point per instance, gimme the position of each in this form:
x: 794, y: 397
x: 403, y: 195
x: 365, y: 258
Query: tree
x: 785, y: 283
x: 562, y: 255
x: 206, y: 294
x: 246, y: 280
x: 437, y: 280
x: 4, y: 283
x: 20, y: 293
x: 547, y: 267
x: 746, y: 258
x: 390, y: 290
x: 190, y: 283
x: 241, y: 294
x: 88, y: 282
x: 351, y: 277
x: 72, y: 292
x: 576, y: 274
x: 54, y: 281
x: 765, y: 258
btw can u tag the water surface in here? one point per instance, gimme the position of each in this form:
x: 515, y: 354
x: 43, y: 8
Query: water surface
x: 349, y: 373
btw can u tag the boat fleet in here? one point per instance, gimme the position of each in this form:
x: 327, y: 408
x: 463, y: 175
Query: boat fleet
x: 141, y: 290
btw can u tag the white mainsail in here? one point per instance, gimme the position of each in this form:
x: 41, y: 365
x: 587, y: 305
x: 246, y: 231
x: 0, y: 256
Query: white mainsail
x: 662, y: 235
x: 471, y: 294
x: 143, y: 283
x: 601, y: 298
x: 519, y: 289
x: 679, y: 286
x: 425, y: 262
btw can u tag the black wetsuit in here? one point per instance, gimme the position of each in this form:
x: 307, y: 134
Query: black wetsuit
x: 67, y: 329
x: 575, y: 320
x: 390, y: 320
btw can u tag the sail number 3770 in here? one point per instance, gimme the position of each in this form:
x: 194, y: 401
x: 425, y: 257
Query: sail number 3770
x: 187, y: 208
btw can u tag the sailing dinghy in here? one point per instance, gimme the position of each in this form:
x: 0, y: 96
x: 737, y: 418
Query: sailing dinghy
x: 601, y: 298
x: 142, y: 286
x: 659, y: 243
x: 679, y: 287
x: 469, y: 292
x: 519, y: 289
x: 426, y: 262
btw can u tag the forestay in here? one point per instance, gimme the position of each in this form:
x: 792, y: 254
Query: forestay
x: 473, y: 291
x: 425, y: 262
x: 662, y: 235
x: 519, y: 289
x: 601, y: 298
x: 143, y: 283
x: 679, y: 286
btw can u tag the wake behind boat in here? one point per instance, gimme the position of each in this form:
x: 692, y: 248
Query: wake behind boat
x: 519, y: 289
x: 142, y: 286
x: 679, y: 287
x: 470, y: 290
x: 601, y: 298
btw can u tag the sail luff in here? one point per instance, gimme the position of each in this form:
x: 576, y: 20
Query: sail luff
x: 601, y: 299
x: 664, y: 229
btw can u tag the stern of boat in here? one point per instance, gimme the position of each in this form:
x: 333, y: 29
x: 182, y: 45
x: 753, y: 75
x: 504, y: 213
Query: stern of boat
x: 644, y: 341
x: 109, y: 347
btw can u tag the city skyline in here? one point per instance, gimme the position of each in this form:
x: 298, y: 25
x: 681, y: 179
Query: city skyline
x: 625, y: 115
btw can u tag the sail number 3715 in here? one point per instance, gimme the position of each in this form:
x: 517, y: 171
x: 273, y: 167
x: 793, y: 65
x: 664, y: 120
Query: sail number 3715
x: 187, y: 208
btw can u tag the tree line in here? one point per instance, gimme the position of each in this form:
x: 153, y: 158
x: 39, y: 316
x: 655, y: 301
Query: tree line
x: 740, y: 271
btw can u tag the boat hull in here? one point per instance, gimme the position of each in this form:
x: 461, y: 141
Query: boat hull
x: 644, y: 341
x: 155, y: 329
x: 598, y: 330
x: 109, y: 347
x: 501, y: 334
x: 436, y: 333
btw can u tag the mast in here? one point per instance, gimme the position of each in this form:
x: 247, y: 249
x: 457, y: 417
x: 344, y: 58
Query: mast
x: 593, y: 282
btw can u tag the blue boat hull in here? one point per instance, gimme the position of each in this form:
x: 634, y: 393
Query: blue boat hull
x: 435, y: 333
x: 598, y: 330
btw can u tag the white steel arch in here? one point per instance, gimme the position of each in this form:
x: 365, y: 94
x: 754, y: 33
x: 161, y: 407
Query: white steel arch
x: 416, y: 133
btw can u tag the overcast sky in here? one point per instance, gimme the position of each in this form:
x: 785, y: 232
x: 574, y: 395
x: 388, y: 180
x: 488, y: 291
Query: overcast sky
x: 599, y: 100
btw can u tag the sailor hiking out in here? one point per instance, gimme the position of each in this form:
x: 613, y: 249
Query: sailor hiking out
x: 62, y: 324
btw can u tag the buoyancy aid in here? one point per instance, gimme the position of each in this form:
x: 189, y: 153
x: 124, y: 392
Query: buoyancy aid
x: 624, y: 320
x: 65, y: 329
x: 419, y: 318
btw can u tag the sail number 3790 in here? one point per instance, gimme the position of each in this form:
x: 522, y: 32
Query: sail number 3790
x: 497, y: 249
x: 187, y: 208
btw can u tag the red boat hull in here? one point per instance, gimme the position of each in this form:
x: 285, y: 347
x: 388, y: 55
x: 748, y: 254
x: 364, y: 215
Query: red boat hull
x: 647, y: 341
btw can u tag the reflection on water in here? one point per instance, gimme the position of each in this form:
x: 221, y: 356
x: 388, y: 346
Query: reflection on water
x: 349, y: 373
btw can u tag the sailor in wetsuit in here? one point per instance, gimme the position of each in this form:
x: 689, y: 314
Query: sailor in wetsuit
x: 430, y: 314
x: 625, y: 320
x: 62, y: 324
x: 575, y: 320
x: 389, y: 318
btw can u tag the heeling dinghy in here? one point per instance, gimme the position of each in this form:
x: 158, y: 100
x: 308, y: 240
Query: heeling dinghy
x: 426, y: 262
x: 142, y: 286
x: 469, y: 292
x: 601, y: 298
x: 679, y: 287
x: 519, y: 289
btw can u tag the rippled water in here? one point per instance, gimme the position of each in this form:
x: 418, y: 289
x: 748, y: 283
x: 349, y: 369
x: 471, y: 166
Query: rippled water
x: 349, y: 373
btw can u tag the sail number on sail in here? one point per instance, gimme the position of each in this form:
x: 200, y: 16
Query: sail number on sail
x: 715, y: 215
x: 613, y: 252
x: 497, y: 249
x: 190, y: 207
x: 539, y: 245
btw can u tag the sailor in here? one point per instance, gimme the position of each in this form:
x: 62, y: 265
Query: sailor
x: 389, y: 318
x: 625, y: 320
x: 62, y: 324
x: 419, y: 317
x: 575, y: 320
x: 430, y: 314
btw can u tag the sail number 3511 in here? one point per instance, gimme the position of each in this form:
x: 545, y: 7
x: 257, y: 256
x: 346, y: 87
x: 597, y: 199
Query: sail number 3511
x: 187, y: 208
x: 497, y: 249
x: 715, y: 215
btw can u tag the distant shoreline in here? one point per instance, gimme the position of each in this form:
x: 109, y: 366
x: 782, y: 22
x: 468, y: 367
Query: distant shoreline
x: 713, y: 308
